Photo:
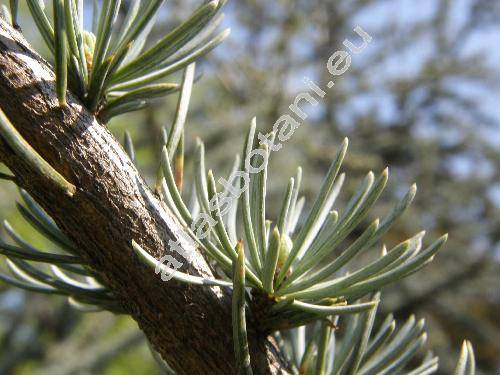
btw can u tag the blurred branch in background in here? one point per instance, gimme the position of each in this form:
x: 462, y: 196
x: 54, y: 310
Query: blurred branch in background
x: 91, y: 359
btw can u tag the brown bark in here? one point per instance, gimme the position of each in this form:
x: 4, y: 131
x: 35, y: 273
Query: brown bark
x: 189, y: 326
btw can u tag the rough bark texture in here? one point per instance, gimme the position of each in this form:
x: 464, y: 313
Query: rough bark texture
x: 189, y: 326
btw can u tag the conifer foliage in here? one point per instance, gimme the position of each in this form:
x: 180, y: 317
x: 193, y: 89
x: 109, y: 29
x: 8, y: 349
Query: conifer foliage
x: 293, y: 276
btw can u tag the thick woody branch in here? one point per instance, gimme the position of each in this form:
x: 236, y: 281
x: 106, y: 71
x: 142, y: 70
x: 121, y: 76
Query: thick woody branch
x: 190, y: 326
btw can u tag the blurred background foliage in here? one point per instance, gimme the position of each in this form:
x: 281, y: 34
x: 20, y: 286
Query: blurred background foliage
x: 421, y: 99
